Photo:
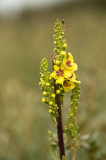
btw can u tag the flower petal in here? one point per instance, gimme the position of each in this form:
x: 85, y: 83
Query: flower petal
x: 60, y: 80
x: 67, y: 73
x: 74, y: 67
x: 72, y: 85
x: 56, y: 68
x: 53, y: 75
x: 70, y: 58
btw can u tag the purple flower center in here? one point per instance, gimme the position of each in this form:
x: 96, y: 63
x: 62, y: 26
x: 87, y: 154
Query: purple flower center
x: 59, y: 72
x: 66, y: 83
x: 71, y: 76
x: 68, y: 63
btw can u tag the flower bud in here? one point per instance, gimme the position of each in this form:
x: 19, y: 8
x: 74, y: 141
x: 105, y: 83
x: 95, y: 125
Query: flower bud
x: 53, y: 95
x: 63, y: 53
x: 60, y: 37
x: 57, y: 62
x: 65, y: 45
x: 69, y: 53
x: 43, y: 100
x: 50, y: 111
x: 47, y: 84
x: 52, y: 87
x: 44, y: 93
x: 58, y: 91
x: 50, y: 103
x: 54, y: 42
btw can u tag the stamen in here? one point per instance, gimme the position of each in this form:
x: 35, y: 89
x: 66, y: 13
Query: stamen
x: 71, y: 76
x: 59, y: 72
x: 66, y: 83
x: 68, y: 63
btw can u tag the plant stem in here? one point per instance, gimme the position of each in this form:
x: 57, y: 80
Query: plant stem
x: 59, y: 118
x: 60, y: 128
x: 74, y: 156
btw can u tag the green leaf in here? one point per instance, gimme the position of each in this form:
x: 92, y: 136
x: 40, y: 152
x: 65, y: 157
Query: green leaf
x: 54, y: 152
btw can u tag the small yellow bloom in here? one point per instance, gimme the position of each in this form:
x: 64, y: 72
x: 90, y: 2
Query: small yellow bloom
x: 50, y: 103
x: 59, y: 73
x: 50, y: 111
x: 65, y: 45
x: 72, y: 78
x: 68, y: 85
x: 44, y: 93
x: 43, y: 100
x: 69, y: 63
x: 58, y: 91
x: 63, y: 53
x: 57, y: 62
x: 53, y: 95
x: 47, y: 84
x: 50, y: 78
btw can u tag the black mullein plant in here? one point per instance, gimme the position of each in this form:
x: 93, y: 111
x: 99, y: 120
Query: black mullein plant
x: 54, y: 85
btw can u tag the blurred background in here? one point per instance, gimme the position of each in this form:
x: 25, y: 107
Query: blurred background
x: 26, y: 36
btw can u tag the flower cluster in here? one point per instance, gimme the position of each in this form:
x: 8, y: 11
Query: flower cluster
x: 64, y: 66
x: 46, y: 84
x: 64, y: 74
x: 61, y: 80
x: 72, y: 128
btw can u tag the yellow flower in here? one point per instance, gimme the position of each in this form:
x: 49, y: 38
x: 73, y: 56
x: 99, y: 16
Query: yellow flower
x: 68, y: 85
x: 60, y: 73
x: 69, y: 63
x: 72, y: 78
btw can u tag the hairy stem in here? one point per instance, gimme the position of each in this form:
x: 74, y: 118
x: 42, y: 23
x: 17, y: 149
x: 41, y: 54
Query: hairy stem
x: 59, y: 119
x: 60, y: 128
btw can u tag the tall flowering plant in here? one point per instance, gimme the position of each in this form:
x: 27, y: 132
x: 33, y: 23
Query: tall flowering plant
x: 54, y: 85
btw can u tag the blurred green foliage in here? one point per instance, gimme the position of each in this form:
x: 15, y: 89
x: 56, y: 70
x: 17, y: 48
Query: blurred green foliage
x: 24, y: 120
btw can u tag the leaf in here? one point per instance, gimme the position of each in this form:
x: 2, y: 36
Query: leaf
x: 54, y: 152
